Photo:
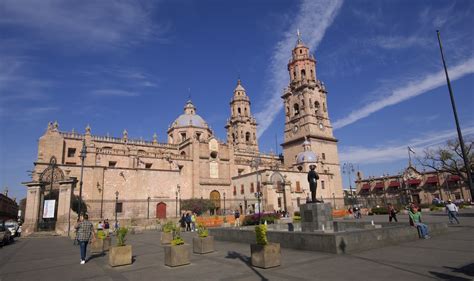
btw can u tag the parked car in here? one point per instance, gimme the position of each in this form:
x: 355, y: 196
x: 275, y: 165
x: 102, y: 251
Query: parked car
x: 5, y: 235
x: 13, y: 227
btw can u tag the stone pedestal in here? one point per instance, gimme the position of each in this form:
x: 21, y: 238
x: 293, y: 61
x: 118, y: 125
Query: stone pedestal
x: 316, y: 217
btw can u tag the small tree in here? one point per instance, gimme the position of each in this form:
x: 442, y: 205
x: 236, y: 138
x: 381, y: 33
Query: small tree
x: 449, y: 158
x: 198, y: 206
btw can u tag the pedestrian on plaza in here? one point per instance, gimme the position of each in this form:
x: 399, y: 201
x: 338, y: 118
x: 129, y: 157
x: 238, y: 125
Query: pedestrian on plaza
x: 182, y: 222
x: 237, y: 218
x: 107, y: 226
x: 415, y: 220
x: 100, y: 226
x: 85, y: 232
x: 188, y: 222
x: 452, y: 211
x: 193, y: 222
x: 392, y: 213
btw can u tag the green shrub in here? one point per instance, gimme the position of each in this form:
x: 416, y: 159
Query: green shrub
x: 177, y: 240
x: 254, y: 218
x: 297, y: 214
x: 121, y: 234
x: 261, y: 234
x: 379, y: 211
x: 168, y: 227
x: 197, y: 206
x: 296, y: 218
x: 202, y: 231
x: 225, y: 219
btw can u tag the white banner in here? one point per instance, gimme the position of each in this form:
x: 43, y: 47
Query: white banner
x: 48, y: 209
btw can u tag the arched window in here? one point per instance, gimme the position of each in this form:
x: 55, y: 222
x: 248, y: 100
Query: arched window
x: 303, y: 74
x: 233, y: 137
x: 238, y: 110
x: 312, y: 74
x: 183, y: 153
x: 296, y: 109
x: 245, y: 109
x: 294, y: 74
x: 316, y: 107
x: 247, y: 137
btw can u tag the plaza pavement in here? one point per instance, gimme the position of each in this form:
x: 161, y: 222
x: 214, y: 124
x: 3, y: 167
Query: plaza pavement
x: 445, y: 257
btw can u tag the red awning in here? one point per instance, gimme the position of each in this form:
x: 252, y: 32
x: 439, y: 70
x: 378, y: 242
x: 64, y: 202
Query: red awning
x: 454, y: 178
x: 379, y: 185
x: 413, y: 182
x: 431, y: 180
x: 366, y: 186
x: 394, y: 184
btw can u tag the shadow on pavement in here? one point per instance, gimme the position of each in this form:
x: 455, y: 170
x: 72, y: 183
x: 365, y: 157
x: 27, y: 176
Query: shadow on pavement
x: 468, y: 269
x: 246, y: 261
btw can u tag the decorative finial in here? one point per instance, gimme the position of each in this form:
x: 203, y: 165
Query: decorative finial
x: 155, y: 138
x: 88, y: 129
x: 125, y: 134
x: 55, y: 126
x: 299, y: 36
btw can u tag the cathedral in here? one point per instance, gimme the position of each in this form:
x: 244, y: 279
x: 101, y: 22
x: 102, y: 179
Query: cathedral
x: 135, y: 179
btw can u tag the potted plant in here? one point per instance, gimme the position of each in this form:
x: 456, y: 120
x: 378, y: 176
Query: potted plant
x: 102, y: 243
x: 225, y: 223
x: 178, y: 253
x: 204, y: 243
x: 120, y: 254
x: 263, y: 253
x: 167, y: 233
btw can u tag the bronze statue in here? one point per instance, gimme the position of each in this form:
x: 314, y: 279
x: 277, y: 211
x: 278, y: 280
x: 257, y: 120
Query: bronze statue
x: 313, y: 182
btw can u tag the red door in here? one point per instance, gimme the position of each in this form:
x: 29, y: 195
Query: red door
x: 161, y: 210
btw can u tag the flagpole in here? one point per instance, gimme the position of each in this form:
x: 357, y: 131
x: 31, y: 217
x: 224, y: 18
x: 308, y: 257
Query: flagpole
x: 458, y: 128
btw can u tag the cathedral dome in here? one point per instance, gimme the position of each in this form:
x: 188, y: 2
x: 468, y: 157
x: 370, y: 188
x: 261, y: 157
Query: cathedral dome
x: 306, y: 156
x: 189, y: 118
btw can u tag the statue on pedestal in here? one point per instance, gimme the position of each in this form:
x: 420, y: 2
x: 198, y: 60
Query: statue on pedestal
x: 313, y: 183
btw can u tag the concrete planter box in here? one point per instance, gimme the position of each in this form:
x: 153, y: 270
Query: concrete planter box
x: 177, y: 255
x: 166, y: 238
x: 266, y: 256
x: 120, y: 255
x: 203, y: 245
x: 100, y: 245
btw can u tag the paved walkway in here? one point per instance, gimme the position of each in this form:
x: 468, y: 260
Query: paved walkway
x: 446, y: 257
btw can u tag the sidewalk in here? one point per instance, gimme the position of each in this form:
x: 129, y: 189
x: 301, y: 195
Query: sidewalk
x: 446, y: 257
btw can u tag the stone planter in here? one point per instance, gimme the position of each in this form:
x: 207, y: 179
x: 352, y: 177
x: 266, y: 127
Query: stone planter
x: 203, y: 245
x: 166, y: 238
x: 266, y: 256
x: 120, y: 255
x: 177, y: 255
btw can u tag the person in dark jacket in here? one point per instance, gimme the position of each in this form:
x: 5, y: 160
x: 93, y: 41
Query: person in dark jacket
x: 182, y: 222
x: 188, y: 222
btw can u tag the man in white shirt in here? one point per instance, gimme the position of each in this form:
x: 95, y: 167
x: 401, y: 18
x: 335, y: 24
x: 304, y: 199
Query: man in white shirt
x: 452, y: 211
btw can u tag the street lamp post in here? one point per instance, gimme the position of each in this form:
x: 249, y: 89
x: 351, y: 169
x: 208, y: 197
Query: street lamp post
x: 148, y: 208
x: 224, y: 204
x: 348, y: 168
x: 177, y: 194
x: 83, y: 157
x: 245, y: 205
x: 116, y: 207
x: 101, y: 190
x: 258, y: 195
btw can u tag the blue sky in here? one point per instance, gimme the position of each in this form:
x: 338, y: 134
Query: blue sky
x: 132, y: 65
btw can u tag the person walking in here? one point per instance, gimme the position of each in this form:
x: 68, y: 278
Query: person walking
x: 392, y: 213
x: 452, y: 211
x: 188, y: 222
x: 415, y: 220
x: 182, y: 222
x: 85, y: 232
x: 237, y: 218
x: 193, y: 222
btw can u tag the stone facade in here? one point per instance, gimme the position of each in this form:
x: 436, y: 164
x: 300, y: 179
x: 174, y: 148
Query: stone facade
x: 149, y: 178
x: 411, y: 186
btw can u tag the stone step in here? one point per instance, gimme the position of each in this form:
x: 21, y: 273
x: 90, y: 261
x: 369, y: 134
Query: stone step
x: 40, y: 234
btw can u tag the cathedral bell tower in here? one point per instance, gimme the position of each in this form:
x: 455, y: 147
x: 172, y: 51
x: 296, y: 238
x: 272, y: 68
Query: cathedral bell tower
x: 242, y: 126
x: 306, y: 114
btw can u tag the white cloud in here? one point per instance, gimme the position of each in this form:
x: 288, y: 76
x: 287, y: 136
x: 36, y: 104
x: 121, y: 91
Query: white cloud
x: 391, y: 153
x: 90, y: 23
x: 399, y: 42
x: 115, y: 92
x: 313, y: 19
x: 408, y: 91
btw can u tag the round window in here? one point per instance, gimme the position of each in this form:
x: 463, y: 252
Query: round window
x: 214, y: 154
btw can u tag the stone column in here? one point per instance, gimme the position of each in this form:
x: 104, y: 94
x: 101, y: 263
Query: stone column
x: 32, y: 210
x: 64, y: 219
